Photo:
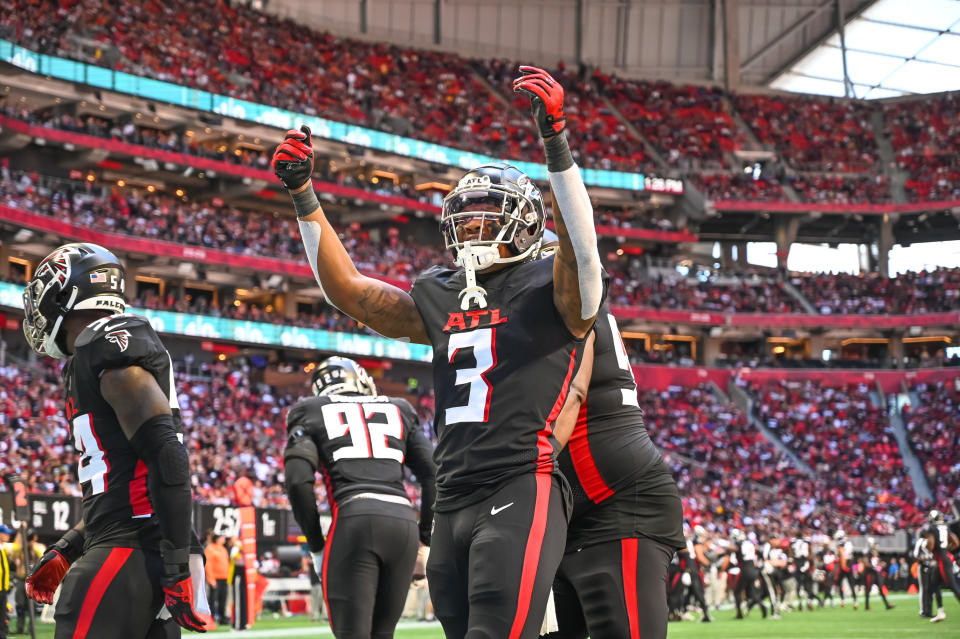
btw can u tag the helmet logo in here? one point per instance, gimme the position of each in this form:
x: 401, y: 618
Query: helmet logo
x: 57, y: 265
x: 119, y: 337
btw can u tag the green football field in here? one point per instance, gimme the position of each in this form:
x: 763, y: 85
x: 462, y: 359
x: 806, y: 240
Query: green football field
x: 900, y: 623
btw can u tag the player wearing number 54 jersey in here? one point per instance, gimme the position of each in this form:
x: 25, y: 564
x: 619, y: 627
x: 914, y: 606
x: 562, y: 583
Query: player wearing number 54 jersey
x: 360, y: 441
x: 507, y: 334
x: 130, y: 556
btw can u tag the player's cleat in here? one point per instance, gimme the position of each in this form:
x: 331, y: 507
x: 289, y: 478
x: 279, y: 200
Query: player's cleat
x: 941, y: 615
x: 890, y: 606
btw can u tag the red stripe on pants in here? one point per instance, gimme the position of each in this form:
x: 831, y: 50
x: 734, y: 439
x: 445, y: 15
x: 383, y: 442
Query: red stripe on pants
x: 111, y: 566
x: 628, y: 549
x: 328, y: 546
x: 531, y: 555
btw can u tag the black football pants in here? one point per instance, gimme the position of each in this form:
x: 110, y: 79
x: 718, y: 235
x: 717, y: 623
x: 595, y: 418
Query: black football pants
x: 613, y: 590
x: 872, y: 576
x: 492, y: 563
x: 846, y: 576
x: 944, y: 574
x: 110, y: 593
x: 745, y: 587
x: 367, y: 570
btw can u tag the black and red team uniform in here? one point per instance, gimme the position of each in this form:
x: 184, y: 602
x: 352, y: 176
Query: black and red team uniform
x: 114, y: 589
x: 627, y: 516
x: 943, y: 576
x: 360, y: 445
x: 501, y: 375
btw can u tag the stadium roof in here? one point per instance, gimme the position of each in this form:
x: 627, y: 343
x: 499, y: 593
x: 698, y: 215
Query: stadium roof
x: 893, y: 48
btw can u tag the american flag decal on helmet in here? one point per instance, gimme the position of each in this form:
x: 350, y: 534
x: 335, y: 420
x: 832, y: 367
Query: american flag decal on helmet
x: 119, y: 337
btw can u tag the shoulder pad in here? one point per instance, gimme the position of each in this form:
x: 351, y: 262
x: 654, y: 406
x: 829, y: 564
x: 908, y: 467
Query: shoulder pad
x: 440, y: 275
x: 403, y: 404
x: 119, y: 341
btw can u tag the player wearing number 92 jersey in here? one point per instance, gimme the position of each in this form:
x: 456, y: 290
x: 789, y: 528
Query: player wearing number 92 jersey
x: 359, y: 441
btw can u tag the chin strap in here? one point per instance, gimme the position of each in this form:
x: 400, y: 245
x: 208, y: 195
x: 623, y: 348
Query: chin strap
x: 472, y: 259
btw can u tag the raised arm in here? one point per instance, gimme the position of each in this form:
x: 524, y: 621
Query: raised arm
x: 577, y: 279
x: 383, y: 307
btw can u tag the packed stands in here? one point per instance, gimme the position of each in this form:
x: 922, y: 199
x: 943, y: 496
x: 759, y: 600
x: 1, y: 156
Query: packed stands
x: 908, y: 293
x: 628, y: 287
x: 167, y: 217
x: 924, y: 135
x: 933, y: 426
x: 691, y: 126
x: 813, y: 134
x: 847, y: 440
x: 727, y: 471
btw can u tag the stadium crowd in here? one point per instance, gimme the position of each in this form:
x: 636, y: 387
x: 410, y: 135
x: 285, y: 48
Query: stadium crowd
x: 933, y: 424
x: 870, y: 294
x: 847, y: 440
x: 728, y: 472
x: 189, y: 143
x: 613, y: 120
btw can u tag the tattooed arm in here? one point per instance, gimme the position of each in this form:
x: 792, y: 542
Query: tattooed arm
x: 383, y: 307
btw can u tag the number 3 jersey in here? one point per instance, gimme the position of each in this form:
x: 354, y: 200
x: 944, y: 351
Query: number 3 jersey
x: 500, y: 373
x: 116, y: 506
x: 361, y: 443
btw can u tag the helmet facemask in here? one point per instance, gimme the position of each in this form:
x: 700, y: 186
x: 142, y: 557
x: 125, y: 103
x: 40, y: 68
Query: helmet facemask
x: 478, y: 217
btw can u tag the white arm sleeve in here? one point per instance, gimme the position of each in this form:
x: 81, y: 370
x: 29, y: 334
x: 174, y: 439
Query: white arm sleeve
x: 310, y: 232
x: 577, y: 215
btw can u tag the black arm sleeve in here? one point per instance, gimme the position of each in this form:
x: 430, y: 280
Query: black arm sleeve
x: 420, y: 460
x: 299, y: 484
x: 168, y: 477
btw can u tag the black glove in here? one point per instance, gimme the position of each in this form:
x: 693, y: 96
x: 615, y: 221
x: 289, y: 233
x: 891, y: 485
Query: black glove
x: 178, y: 587
x: 546, y: 99
x: 293, y: 159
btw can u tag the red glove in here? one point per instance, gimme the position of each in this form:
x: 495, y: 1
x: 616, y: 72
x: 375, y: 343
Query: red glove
x: 546, y: 99
x: 293, y: 159
x: 46, y: 576
x: 179, y: 601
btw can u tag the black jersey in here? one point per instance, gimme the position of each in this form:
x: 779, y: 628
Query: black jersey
x: 360, y: 444
x: 609, y: 447
x: 941, y: 536
x: 501, y: 375
x: 116, y: 505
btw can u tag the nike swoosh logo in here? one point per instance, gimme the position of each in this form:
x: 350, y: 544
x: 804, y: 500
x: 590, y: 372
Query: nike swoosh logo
x: 107, y: 329
x: 494, y: 510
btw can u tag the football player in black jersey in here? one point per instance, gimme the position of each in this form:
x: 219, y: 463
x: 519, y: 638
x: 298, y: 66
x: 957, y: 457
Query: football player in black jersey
x: 872, y: 567
x: 507, y: 332
x: 131, y: 553
x: 941, y: 542
x: 627, y: 517
x: 359, y: 441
